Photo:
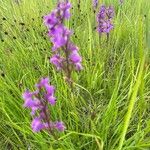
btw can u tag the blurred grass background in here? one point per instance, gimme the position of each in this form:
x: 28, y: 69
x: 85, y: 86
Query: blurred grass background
x: 110, y: 106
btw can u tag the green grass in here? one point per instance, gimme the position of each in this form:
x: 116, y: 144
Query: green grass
x: 109, y: 107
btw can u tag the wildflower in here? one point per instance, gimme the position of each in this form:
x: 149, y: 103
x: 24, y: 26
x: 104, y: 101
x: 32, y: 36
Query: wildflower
x: 105, y: 26
x: 104, y: 19
x: 57, y: 60
x: 37, y: 125
x: 95, y: 4
x: 78, y: 66
x: 64, y: 8
x: 60, y: 126
x: 72, y: 47
x: 38, y: 101
x: 65, y: 52
x: 110, y: 12
x: 51, y: 20
x: 43, y: 82
x: 59, y: 36
x: 51, y: 100
x: 75, y: 58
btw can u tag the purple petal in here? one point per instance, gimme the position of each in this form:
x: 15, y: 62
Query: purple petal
x: 52, y: 100
x: 60, y: 126
x: 50, y: 89
x: 37, y: 125
x: 57, y: 61
x: 75, y: 57
x: 43, y: 82
x: 78, y: 66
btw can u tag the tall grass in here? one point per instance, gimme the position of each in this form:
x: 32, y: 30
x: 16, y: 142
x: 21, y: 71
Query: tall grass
x: 110, y: 105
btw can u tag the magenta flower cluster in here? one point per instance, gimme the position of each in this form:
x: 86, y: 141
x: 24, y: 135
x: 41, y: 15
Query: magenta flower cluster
x: 104, y: 19
x: 65, y: 53
x: 38, y: 102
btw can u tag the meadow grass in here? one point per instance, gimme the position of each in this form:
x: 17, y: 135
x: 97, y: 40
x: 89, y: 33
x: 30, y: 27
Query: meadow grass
x: 109, y: 107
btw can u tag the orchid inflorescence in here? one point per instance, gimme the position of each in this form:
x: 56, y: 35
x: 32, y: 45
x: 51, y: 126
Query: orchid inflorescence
x: 104, y: 19
x: 38, y: 102
x: 65, y: 57
x: 65, y: 53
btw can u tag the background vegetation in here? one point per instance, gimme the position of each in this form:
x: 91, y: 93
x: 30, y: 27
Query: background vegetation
x: 109, y: 107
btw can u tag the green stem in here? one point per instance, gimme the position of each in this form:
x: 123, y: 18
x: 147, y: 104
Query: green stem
x: 131, y: 104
